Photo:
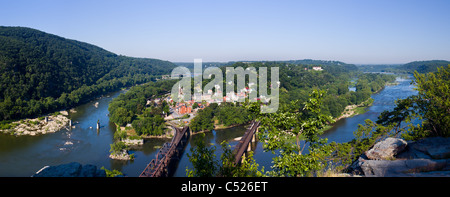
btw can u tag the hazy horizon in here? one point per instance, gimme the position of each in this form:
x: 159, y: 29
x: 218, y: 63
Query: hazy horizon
x: 357, y: 64
x: 354, y: 32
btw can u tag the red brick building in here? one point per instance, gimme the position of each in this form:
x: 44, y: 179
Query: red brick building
x: 183, y: 108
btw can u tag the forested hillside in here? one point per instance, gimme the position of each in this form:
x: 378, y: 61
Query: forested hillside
x: 419, y: 66
x: 41, y: 72
x: 298, y: 80
x: 423, y: 66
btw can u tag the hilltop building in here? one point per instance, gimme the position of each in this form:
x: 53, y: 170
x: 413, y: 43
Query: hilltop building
x: 317, y: 68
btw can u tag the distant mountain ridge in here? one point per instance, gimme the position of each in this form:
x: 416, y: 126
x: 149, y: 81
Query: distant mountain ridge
x: 38, y: 67
x: 309, y: 62
x: 424, y: 66
x: 419, y: 66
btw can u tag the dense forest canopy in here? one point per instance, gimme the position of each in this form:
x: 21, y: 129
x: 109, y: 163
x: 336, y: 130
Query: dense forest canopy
x: 298, y: 80
x: 125, y: 108
x: 41, y: 72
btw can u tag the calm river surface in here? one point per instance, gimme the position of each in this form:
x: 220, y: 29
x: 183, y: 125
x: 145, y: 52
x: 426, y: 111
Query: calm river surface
x: 383, y: 100
x: 24, y: 155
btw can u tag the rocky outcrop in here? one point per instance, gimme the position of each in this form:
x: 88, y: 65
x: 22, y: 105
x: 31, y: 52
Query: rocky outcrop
x: 38, y: 126
x: 405, y: 168
x: 135, y: 142
x: 73, y: 169
x: 122, y: 155
x: 386, y: 149
x: 127, y: 144
x: 428, y: 148
x: 395, y: 158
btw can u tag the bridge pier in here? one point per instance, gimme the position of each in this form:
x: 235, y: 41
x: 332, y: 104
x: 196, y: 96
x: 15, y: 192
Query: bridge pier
x: 243, y: 157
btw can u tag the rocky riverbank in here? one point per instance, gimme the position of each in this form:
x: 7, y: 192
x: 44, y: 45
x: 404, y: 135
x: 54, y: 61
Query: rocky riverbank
x: 37, y: 126
x: 353, y: 110
x: 122, y: 155
x: 395, y: 157
x: 127, y: 144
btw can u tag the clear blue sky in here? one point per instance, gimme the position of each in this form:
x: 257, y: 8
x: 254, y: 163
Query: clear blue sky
x: 363, y: 31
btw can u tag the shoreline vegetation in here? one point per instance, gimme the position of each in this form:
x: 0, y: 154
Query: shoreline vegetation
x: 353, y: 110
x: 125, y: 138
x: 350, y: 111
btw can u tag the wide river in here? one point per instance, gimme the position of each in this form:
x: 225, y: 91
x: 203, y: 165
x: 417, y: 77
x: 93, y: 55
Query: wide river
x: 24, y: 155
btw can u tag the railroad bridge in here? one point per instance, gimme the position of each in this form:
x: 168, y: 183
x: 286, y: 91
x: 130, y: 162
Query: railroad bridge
x: 245, y: 144
x: 169, y: 155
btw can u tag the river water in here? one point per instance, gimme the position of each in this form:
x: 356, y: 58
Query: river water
x: 24, y: 155
x: 383, y: 100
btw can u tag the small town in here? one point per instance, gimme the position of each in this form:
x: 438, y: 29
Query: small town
x: 182, y: 112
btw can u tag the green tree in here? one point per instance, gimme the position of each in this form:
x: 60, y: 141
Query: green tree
x: 117, y: 147
x: 149, y: 126
x: 166, y: 108
x: 431, y: 105
x: 195, y: 105
x: 342, y: 88
x: 433, y: 101
x: 202, y: 159
x: 367, y: 134
x: 112, y: 173
x: 205, y: 163
x: 121, y: 116
x: 290, y: 130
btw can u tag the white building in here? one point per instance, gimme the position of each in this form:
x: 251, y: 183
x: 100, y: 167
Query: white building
x: 318, y: 68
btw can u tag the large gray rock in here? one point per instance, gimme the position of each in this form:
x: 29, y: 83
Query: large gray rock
x: 386, y: 149
x: 355, y: 168
x: 429, y: 148
x: 404, y: 168
x: 73, y: 169
x: 429, y: 157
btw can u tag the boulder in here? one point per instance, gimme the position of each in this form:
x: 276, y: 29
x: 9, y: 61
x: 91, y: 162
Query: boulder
x: 386, y: 149
x: 428, y: 157
x: 136, y: 142
x: 429, y: 148
x: 403, y: 168
x: 122, y: 155
x: 73, y: 169
x: 355, y: 168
